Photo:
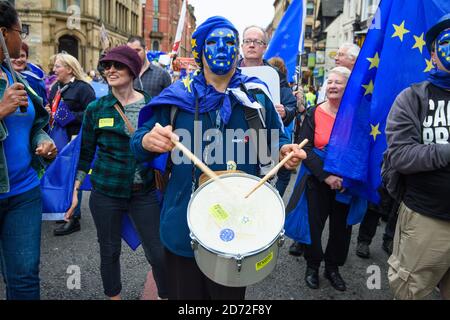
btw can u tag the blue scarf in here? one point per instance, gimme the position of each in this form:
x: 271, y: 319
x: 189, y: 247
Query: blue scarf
x: 184, y: 93
x: 440, y: 78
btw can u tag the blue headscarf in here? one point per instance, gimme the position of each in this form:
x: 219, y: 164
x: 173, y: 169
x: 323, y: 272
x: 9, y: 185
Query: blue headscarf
x: 202, y: 31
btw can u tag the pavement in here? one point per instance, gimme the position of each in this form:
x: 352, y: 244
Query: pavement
x: 63, y: 258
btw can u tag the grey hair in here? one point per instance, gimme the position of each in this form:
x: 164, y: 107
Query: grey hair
x: 342, y: 71
x: 352, y: 49
x: 265, y: 35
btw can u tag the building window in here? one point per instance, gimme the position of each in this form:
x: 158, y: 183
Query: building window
x: 368, y: 8
x: 155, y: 25
x: 105, y: 11
x: 156, y: 6
x: 310, y: 8
x: 308, y: 32
x: 61, y: 5
x: 155, y: 46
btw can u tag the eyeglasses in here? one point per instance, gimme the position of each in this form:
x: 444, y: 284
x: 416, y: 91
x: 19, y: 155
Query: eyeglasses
x: 23, y: 33
x: 117, y: 65
x: 248, y: 42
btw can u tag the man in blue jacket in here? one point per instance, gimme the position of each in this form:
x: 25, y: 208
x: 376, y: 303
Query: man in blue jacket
x: 217, y: 97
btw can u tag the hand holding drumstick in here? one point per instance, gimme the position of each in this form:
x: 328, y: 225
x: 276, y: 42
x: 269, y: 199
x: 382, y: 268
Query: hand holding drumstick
x: 164, y: 140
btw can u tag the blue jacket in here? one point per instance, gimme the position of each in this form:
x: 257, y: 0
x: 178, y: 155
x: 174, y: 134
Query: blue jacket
x: 35, y: 78
x: 37, y: 136
x: 174, y: 228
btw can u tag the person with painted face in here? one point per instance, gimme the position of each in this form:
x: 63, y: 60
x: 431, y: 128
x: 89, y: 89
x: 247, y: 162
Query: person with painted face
x: 418, y: 139
x: 219, y: 97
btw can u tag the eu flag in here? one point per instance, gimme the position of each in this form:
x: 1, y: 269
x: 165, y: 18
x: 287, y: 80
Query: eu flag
x: 287, y: 42
x: 393, y: 57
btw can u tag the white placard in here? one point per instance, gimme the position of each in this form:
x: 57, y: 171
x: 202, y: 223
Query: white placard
x: 268, y: 75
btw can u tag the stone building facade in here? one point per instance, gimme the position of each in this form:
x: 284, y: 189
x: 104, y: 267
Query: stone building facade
x: 74, y: 26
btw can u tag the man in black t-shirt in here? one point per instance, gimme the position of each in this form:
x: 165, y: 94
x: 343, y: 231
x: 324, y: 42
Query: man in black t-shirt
x: 418, y: 134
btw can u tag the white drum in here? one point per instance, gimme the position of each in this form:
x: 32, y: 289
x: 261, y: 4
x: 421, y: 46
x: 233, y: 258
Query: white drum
x: 236, y: 240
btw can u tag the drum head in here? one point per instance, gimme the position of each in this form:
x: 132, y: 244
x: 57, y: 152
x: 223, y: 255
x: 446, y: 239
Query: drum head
x: 224, y: 222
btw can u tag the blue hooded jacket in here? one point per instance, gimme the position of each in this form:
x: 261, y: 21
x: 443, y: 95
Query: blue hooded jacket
x: 35, y: 78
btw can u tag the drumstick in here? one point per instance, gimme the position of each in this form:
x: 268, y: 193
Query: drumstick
x: 193, y: 158
x: 275, y: 169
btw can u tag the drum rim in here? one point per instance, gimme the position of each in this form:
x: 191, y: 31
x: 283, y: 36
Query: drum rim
x: 246, y: 254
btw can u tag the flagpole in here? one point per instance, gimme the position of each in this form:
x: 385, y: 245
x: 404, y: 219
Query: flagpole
x: 299, y: 73
x: 301, y: 44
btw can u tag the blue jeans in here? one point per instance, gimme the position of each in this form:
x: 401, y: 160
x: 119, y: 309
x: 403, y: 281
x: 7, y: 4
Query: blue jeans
x: 20, y: 244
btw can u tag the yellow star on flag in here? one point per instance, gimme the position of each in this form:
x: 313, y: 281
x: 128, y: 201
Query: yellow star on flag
x: 375, y: 61
x: 420, y: 43
x: 210, y: 57
x: 195, y: 54
x: 375, y: 131
x: 221, y: 33
x: 369, y: 88
x: 430, y: 65
x: 400, y: 31
x: 229, y: 35
x: 193, y: 43
x: 215, y: 62
x: 187, y: 83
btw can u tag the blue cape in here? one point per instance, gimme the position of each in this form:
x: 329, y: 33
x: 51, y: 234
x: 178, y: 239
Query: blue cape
x: 183, y: 94
x: 297, y: 213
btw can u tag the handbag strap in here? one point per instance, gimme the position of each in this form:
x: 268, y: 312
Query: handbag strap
x: 125, y: 119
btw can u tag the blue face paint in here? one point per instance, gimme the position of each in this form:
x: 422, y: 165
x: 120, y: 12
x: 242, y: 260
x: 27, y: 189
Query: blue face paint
x: 443, y: 48
x: 221, y: 49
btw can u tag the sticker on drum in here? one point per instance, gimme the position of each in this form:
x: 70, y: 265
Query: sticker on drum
x: 264, y: 262
x: 256, y: 222
x: 227, y: 235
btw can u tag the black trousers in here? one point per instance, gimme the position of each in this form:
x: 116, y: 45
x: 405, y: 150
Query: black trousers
x: 368, y: 227
x: 143, y: 209
x: 391, y: 224
x: 323, y: 205
x: 187, y: 282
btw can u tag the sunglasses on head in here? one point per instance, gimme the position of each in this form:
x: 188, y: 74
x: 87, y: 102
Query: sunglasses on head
x: 117, y: 65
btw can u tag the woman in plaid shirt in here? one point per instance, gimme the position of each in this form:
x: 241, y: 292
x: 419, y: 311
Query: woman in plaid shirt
x: 119, y: 184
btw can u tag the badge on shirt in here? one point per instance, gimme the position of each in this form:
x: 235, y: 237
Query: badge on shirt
x: 106, y: 122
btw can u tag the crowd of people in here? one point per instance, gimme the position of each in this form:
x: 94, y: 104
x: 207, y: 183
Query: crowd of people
x: 41, y: 113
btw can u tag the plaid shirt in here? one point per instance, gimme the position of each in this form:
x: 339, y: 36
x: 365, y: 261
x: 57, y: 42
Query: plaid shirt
x: 115, y: 166
x: 154, y: 80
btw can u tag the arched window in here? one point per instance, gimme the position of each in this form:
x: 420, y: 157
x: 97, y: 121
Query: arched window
x: 68, y: 44
x: 155, y: 46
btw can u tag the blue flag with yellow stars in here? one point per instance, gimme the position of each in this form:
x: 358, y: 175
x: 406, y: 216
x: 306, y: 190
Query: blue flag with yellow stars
x: 394, y: 56
x: 287, y: 42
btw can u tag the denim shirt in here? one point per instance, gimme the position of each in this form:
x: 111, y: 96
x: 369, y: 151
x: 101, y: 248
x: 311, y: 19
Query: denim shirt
x: 37, y: 134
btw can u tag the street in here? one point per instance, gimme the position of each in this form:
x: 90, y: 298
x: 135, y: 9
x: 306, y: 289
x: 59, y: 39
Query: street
x: 60, y: 256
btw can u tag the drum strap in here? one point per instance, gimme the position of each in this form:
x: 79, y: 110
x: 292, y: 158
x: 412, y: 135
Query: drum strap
x: 256, y: 121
